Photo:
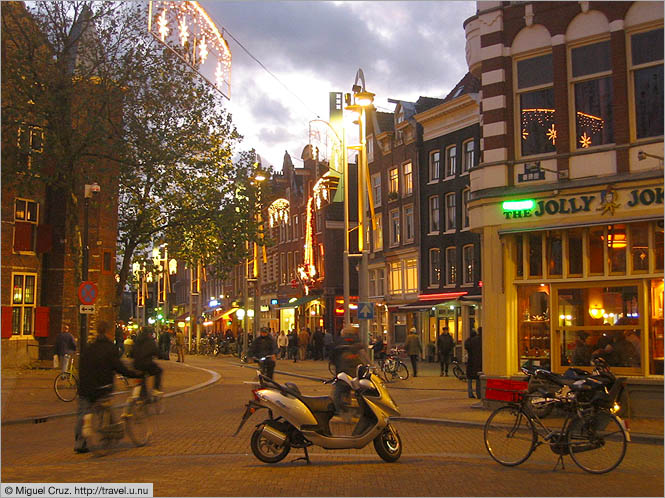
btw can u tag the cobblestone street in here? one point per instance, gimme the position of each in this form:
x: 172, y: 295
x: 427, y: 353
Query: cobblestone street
x: 194, y: 454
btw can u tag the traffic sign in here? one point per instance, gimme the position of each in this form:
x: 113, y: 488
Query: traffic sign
x: 366, y: 311
x: 88, y: 292
x: 87, y: 309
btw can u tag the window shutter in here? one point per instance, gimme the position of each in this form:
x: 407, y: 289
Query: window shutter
x: 23, y: 236
x: 41, y: 321
x: 44, y: 238
x: 6, y: 322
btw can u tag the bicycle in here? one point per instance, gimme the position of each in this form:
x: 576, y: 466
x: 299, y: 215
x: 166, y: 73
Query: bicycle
x: 393, y: 368
x: 103, y: 429
x: 591, y: 433
x: 66, y: 383
x: 458, y: 371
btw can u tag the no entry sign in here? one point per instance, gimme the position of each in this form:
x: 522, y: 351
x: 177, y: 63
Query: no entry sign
x: 88, y: 292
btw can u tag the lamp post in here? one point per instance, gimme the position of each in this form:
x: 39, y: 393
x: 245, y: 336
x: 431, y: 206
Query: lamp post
x: 88, y: 192
x: 165, y: 268
x: 362, y: 99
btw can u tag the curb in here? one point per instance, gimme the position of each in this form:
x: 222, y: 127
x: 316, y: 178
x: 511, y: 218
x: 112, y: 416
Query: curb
x: 42, y: 419
x: 634, y: 436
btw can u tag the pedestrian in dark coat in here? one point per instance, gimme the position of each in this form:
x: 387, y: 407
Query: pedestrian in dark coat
x: 413, y: 349
x: 293, y: 345
x: 317, y: 340
x: 474, y: 365
x: 445, y: 345
x: 65, y: 346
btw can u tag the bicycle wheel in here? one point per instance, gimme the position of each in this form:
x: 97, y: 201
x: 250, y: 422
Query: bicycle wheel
x: 457, y: 372
x: 332, y: 369
x: 597, y: 444
x: 402, y: 372
x: 510, y: 436
x: 137, y: 423
x: 66, y: 386
x: 100, y: 439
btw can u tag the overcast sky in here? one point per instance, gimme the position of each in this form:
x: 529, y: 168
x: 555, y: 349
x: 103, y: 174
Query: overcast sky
x: 406, y: 49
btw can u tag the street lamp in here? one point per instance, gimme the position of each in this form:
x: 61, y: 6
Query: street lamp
x: 89, y: 190
x: 362, y: 99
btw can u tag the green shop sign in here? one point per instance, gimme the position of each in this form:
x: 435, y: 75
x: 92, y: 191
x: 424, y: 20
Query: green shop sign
x: 606, y: 201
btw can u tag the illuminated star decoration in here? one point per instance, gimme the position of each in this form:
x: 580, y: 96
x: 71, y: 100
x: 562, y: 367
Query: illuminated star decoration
x: 183, y: 31
x: 163, y: 25
x: 203, y: 50
x: 585, y: 140
x: 219, y: 74
x: 551, y: 135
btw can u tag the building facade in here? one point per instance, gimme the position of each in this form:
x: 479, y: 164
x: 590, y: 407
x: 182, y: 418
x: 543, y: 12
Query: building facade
x: 568, y: 195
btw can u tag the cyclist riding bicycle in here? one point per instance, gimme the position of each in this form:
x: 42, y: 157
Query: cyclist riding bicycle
x: 99, y: 362
x: 145, y: 350
x: 264, y: 346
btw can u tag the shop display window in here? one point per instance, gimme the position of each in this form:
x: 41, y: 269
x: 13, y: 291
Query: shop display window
x: 599, y: 321
x: 596, y: 252
x: 554, y: 254
x: 534, y: 325
x: 575, y: 252
x: 656, y: 328
x: 616, y: 249
x: 535, y: 255
x: 639, y: 247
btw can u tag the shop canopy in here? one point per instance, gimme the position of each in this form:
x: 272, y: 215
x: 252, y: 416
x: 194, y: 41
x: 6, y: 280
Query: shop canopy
x: 428, y: 301
x: 298, y: 302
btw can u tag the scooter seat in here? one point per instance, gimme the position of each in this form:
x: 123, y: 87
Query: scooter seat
x: 319, y: 403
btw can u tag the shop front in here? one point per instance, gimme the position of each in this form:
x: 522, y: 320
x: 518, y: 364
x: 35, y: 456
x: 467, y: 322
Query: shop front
x: 581, y: 275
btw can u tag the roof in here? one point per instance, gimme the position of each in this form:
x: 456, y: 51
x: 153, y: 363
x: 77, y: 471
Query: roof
x: 468, y: 84
x: 385, y: 121
x: 424, y: 103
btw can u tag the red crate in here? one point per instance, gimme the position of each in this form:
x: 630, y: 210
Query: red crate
x: 505, y: 390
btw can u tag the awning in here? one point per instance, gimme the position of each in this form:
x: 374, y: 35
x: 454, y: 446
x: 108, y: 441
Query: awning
x: 593, y: 223
x: 428, y: 301
x: 228, y: 312
x: 181, y: 318
x: 471, y: 298
x: 298, y: 302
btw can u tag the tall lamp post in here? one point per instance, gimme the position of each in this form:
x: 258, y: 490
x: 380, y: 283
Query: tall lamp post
x: 362, y: 99
x: 88, y: 192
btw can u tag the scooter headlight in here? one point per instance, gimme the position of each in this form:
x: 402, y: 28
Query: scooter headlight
x: 615, y: 408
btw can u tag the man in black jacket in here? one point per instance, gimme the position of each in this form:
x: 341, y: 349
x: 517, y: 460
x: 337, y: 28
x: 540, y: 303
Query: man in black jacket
x: 445, y: 345
x: 99, y: 362
x: 264, y: 346
x: 145, y: 349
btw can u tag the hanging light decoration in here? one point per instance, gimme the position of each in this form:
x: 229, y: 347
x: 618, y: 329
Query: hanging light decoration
x: 278, y: 212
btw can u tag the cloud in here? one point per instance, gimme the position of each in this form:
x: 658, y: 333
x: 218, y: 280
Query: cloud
x: 406, y: 49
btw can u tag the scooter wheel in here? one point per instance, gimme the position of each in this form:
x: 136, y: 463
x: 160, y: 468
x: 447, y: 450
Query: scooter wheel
x: 388, y: 444
x: 266, y: 450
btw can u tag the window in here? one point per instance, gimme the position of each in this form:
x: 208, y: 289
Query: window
x: 591, y: 71
x: 394, y: 227
x: 451, y: 266
x: 394, y: 180
x: 396, y: 278
x: 372, y: 282
x: 465, y: 208
x: 434, y: 267
x: 30, y: 141
x: 536, y: 104
x: 376, y: 189
x: 451, y: 161
x: 23, y: 303
x: 296, y: 227
x: 451, y: 211
x: 378, y: 233
x: 434, y: 166
x: 26, y: 214
x: 411, y: 275
x: 107, y: 262
x: 469, y: 157
x: 407, y: 172
x: 380, y: 282
x: 289, y: 266
x: 282, y: 268
x: 434, y: 214
x: 408, y: 223
x: 370, y: 149
x: 467, y: 264
x: 646, y: 63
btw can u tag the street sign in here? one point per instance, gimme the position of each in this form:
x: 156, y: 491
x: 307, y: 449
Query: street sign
x: 88, y: 292
x: 87, y: 309
x: 366, y: 311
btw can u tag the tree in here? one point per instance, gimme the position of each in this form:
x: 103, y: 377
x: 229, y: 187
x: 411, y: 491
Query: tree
x: 106, y: 92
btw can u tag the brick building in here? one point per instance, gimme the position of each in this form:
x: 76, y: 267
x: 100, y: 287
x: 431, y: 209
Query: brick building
x: 41, y: 266
x: 572, y: 126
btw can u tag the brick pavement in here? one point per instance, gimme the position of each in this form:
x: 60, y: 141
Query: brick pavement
x: 29, y: 393
x: 194, y: 454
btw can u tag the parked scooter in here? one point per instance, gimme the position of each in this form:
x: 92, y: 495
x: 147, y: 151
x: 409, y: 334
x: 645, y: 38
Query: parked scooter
x: 297, y: 421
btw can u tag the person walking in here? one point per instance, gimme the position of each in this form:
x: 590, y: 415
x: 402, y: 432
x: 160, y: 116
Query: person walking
x: 65, y: 347
x: 282, y: 344
x: 445, y: 345
x: 413, y: 349
x: 293, y: 345
x: 180, y: 345
x: 327, y: 344
x: 264, y: 347
x: 347, y: 354
x: 317, y: 341
x: 474, y: 348
x: 303, y: 342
